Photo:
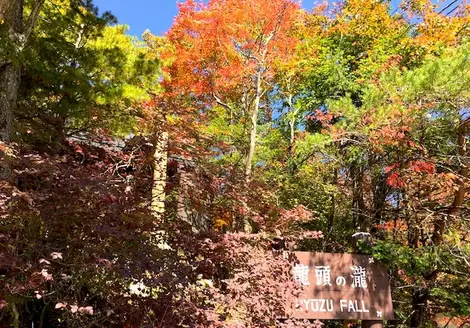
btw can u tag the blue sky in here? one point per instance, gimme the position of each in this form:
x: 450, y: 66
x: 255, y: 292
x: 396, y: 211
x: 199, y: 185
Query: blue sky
x: 156, y: 15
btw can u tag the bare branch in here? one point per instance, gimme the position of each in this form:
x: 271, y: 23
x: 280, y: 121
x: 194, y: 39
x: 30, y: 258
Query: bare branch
x: 32, y: 19
x: 221, y: 103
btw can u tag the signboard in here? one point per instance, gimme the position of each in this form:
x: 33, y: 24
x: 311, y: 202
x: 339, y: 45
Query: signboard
x: 341, y: 286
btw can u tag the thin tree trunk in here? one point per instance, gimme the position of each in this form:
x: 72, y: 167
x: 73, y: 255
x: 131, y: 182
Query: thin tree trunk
x: 380, y: 190
x: 157, y: 206
x: 331, y: 212
x: 459, y: 196
x: 292, y: 136
x: 291, y: 120
x: 358, y: 203
x: 247, y: 227
x: 16, y: 316
x: 254, y: 127
x: 291, y: 125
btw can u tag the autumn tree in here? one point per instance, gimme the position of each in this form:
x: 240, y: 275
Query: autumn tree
x: 231, y: 47
x: 429, y: 179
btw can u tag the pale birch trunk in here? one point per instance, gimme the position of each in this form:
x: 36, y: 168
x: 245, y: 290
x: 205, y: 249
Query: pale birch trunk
x: 292, y: 121
x: 254, y: 128
x: 157, y: 206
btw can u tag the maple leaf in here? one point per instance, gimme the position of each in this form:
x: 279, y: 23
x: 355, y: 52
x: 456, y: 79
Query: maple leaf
x: 46, y: 275
x: 60, y: 305
x: 56, y: 255
x: 86, y: 310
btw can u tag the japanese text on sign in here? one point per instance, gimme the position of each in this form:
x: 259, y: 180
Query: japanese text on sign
x: 341, y: 286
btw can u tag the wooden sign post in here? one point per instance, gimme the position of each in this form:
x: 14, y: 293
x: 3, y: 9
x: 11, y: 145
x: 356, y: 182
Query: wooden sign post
x: 341, y: 287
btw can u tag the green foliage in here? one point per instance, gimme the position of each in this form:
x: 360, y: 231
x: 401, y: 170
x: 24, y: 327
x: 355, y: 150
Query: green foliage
x: 81, y: 75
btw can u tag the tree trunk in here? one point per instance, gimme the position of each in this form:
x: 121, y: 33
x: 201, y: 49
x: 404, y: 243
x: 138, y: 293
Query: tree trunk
x: 459, y: 196
x: 16, y: 35
x: 11, y: 13
x: 331, y: 212
x: 292, y: 137
x: 247, y: 227
x: 254, y: 127
x: 358, y: 205
x: 420, y: 300
x: 9, y: 83
x: 291, y: 125
x: 157, y: 206
x: 181, y: 210
x: 380, y: 190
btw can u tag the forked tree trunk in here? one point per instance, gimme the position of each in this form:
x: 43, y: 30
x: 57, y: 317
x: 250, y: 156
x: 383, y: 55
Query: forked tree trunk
x: 254, y: 127
x: 157, y: 206
x: 247, y: 227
